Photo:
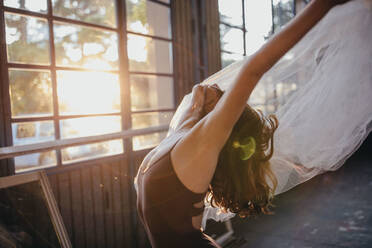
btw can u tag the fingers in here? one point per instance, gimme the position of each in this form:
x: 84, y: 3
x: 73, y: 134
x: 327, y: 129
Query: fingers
x: 198, y: 97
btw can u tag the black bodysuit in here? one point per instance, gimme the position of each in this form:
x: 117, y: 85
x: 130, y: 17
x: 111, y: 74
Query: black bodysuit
x: 165, y: 207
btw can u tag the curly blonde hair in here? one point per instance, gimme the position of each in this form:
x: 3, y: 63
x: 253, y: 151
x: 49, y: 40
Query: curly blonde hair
x: 241, y: 186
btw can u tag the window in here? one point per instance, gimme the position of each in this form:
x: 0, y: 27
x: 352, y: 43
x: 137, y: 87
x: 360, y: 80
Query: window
x: 244, y: 27
x: 72, y: 73
x: 283, y: 12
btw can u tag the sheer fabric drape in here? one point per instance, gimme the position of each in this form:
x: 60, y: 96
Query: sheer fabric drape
x: 327, y: 114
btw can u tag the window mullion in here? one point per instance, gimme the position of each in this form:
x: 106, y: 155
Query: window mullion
x: 272, y: 18
x: 5, y: 97
x: 124, y: 72
x: 244, y: 28
x: 53, y: 74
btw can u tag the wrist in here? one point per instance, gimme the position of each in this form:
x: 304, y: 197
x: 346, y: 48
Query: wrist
x: 324, y: 4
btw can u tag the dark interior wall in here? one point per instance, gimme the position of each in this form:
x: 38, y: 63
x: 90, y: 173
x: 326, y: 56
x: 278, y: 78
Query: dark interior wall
x: 6, y: 168
x: 196, y: 37
x: 183, y: 47
x: 3, y: 162
x: 212, y: 36
x: 97, y: 204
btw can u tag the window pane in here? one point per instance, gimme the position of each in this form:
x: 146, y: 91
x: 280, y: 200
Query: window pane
x: 231, y: 12
x: 228, y: 58
x: 89, y: 126
x: 32, y: 132
x: 231, y: 39
x: 149, y: 55
x: 258, y: 22
x: 147, y: 17
x: 151, y: 92
x: 88, y: 92
x: 283, y: 12
x: 35, y: 161
x: 99, y: 12
x: 80, y: 46
x: 91, y: 151
x: 27, y: 39
x: 30, y: 93
x: 145, y: 120
x: 32, y: 5
x: 148, y: 140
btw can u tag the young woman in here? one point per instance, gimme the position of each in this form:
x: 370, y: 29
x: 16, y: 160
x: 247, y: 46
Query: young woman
x: 220, y: 149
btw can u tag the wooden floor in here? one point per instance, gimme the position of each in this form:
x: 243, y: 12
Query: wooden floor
x: 331, y: 210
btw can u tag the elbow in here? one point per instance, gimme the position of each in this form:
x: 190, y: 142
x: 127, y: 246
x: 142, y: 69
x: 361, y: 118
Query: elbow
x: 254, y: 70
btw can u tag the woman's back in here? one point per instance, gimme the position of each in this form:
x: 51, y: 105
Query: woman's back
x: 166, y: 207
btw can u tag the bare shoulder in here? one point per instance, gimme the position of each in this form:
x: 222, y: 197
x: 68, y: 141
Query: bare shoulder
x: 194, y: 159
x: 164, y: 147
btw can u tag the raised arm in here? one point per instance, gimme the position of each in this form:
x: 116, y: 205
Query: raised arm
x: 231, y: 105
x: 204, y: 142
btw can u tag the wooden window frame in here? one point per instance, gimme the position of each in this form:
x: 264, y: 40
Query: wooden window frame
x: 123, y: 73
x: 244, y: 29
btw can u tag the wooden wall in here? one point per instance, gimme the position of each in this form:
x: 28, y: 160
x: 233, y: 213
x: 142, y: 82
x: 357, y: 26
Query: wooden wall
x: 98, y: 204
x: 195, y: 25
x: 212, y: 36
x: 182, y: 47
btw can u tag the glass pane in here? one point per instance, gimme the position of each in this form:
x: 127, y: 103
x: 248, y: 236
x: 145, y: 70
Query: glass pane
x: 147, y: 17
x: 231, y: 39
x: 90, y: 151
x: 35, y: 161
x: 228, y: 58
x: 30, y: 93
x: 32, y: 5
x: 231, y: 12
x: 145, y: 120
x: 151, y: 92
x: 149, y: 55
x: 98, y: 12
x: 85, y: 47
x: 148, y: 140
x: 283, y: 12
x: 89, y: 126
x: 88, y: 92
x: 27, y: 39
x: 258, y: 23
x: 32, y: 132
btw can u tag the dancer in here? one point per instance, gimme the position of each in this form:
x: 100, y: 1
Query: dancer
x: 219, y: 150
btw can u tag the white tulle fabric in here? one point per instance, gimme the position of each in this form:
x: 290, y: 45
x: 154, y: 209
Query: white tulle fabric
x: 329, y: 114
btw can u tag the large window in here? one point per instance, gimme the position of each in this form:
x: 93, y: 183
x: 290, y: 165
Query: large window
x: 74, y: 70
x: 245, y: 25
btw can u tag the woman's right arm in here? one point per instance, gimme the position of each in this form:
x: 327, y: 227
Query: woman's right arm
x: 220, y: 122
x: 205, y: 140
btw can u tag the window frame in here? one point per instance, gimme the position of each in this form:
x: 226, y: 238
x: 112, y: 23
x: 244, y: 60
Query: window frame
x: 244, y: 24
x: 122, y: 71
x: 242, y: 28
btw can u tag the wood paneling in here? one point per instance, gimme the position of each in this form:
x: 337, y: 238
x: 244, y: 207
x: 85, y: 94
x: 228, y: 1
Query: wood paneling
x: 88, y: 208
x: 212, y: 36
x: 195, y: 19
x: 95, y: 204
x: 183, y: 47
